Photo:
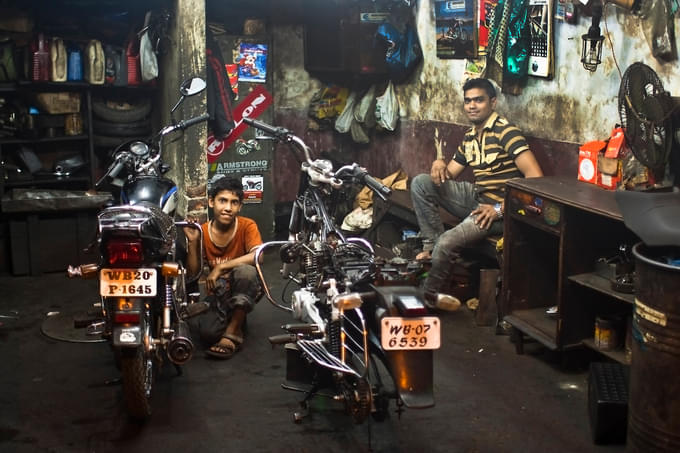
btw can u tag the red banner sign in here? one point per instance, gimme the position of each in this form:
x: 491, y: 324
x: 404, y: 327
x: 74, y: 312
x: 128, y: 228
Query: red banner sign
x: 252, y: 106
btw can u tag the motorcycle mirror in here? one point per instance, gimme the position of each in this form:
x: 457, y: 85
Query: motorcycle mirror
x: 189, y: 87
x: 192, y: 86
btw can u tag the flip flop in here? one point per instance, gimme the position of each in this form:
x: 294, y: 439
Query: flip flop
x: 225, y: 351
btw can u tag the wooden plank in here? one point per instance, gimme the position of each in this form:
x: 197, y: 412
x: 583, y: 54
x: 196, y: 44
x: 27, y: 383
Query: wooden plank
x: 487, y: 310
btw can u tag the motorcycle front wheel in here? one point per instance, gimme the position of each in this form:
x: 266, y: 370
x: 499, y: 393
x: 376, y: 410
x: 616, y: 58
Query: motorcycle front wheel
x: 137, y: 377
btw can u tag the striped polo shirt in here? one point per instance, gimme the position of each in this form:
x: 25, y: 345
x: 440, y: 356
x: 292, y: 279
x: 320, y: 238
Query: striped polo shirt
x: 493, y: 160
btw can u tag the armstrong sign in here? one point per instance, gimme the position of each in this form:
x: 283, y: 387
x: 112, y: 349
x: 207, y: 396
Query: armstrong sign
x: 251, y: 107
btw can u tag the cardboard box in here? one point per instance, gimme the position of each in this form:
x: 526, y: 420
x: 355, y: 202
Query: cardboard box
x: 587, y: 160
x: 58, y: 103
x: 609, y: 166
x: 609, y: 172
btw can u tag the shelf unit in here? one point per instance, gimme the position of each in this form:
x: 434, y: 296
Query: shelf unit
x: 556, y: 228
x: 50, y: 149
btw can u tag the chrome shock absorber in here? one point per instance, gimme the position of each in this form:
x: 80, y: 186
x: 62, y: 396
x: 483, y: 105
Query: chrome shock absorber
x: 312, y: 265
x: 167, y: 308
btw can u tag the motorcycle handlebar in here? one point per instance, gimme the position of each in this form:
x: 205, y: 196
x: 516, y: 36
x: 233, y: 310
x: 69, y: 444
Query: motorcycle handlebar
x: 376, y: 186
x: 282, y: 134
x: 191, y: 121
x: 278, y: 132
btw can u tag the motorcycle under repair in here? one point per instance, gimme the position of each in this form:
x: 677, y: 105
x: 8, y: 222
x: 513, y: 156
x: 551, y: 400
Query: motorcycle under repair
x: 362, y: 334
x: 142, y: 280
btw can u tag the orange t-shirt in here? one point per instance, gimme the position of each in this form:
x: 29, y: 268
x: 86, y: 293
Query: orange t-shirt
x: 245, y: 239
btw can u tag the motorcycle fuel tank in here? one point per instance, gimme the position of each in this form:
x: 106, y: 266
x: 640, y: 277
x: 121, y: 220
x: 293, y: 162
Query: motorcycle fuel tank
x: 161, y: 192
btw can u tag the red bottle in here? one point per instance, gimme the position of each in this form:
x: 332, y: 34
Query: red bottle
x: 41, y: 60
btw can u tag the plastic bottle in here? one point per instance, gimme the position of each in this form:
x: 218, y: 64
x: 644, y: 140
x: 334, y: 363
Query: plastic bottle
x: 41, y: 60
x: 75, y: 64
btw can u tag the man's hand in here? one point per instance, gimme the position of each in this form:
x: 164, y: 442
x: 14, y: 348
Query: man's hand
x: 485, y: 214
x: 438, y: 172
x: 192, y: 234
x: 211, y: 279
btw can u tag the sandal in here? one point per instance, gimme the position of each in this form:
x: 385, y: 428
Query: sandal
x: 225, y: 350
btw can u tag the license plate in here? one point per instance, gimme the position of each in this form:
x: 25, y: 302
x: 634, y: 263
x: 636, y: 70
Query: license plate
x: 410, y: 333
x: 127, y: 282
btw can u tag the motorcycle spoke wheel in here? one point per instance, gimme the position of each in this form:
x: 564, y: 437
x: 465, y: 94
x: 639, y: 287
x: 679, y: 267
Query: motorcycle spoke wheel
x: 137, y: 376
x: 358, y: 397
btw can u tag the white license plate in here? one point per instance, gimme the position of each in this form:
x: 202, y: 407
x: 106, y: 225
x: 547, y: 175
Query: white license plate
x: 410, y: 333
x: 127, y: 282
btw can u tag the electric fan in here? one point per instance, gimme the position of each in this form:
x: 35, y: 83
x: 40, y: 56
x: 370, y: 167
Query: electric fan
x: 645, y: 110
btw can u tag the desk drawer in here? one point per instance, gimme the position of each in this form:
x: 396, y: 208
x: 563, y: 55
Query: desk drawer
x: 535, y: 210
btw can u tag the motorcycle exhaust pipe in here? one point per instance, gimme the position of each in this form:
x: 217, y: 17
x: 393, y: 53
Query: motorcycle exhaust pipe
x: 180, y: 347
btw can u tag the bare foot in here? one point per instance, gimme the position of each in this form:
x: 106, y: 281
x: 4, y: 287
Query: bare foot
x: 424, y: 255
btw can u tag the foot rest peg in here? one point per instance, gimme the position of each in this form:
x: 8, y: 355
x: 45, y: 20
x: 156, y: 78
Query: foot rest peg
x: 282, y: 339
x: 301, y: 328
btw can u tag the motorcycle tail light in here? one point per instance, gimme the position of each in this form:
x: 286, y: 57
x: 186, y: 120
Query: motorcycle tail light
x: 124, y: 252
x: 126, y: 318
x: 410, y: 306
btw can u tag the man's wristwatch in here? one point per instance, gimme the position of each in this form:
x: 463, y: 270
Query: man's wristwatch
x: 499, y: 210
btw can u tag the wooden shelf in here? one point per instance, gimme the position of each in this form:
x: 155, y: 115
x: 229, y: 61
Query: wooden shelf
x: 535, y: 323
x: 617, y: 354
x: 601, y: 285
x: 63, y: 138
x: 48, y: 180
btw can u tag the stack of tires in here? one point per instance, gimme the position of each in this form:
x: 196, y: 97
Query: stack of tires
x: 118, y: 120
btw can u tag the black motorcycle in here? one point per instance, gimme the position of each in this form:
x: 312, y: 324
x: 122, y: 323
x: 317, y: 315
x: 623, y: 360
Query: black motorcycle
x: 362, y: 329
x: 142, y: 280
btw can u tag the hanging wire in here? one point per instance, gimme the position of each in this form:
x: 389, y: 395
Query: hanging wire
x: 609, y: 38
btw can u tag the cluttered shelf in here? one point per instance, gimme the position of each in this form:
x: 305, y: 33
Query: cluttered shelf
x: 63, y: 138
x: 596, y: 282
x: 44, y: 180
x: 535, y: 323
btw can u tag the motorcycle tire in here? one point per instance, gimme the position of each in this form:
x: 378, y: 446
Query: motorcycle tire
x: 135, y: 128
x: 382, y: 386
x: 134, y: 378
x: 121, y: 112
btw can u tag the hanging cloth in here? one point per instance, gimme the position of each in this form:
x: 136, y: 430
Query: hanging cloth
x: 509, y: 46
x: 219, y: 92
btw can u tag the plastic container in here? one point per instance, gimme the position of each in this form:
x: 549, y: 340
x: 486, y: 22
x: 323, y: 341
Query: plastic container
x: 58, y: 60
x: 75, y: 64
x: 94, y: 63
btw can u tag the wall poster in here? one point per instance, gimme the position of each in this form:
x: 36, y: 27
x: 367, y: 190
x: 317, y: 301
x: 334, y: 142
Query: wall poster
x: 252, y: 63
x: 456, y: 29
x: 252, y: 188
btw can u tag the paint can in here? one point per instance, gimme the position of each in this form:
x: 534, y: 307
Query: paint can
x: 606, y: 338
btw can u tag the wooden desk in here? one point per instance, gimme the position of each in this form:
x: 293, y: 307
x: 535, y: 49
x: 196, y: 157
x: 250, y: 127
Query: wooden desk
x: 556, y: 228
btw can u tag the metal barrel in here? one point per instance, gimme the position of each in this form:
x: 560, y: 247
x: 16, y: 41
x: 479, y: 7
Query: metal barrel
x: 654, y: 398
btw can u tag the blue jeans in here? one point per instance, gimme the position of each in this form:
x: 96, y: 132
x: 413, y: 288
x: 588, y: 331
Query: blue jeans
x: 460, y: 199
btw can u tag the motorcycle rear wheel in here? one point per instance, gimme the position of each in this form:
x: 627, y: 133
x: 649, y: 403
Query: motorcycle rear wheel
x: 137, y: 377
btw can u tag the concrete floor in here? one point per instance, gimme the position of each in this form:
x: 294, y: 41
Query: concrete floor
x: 54, y: 396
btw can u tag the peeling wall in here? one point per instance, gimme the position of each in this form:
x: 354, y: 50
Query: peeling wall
x: 556, y: 115
x: 575, y: 106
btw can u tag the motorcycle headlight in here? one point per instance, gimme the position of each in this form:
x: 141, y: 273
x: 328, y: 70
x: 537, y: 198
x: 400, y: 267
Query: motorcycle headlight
x: 139, y: 148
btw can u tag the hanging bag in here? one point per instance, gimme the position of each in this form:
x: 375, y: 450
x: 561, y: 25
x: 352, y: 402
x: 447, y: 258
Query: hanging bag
x: 147, y: 57
x: 403, y: 51
x: 344, y: 121
x: 387, y: 109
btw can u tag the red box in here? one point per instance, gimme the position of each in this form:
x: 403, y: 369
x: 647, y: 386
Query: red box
x: 587, y: 160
